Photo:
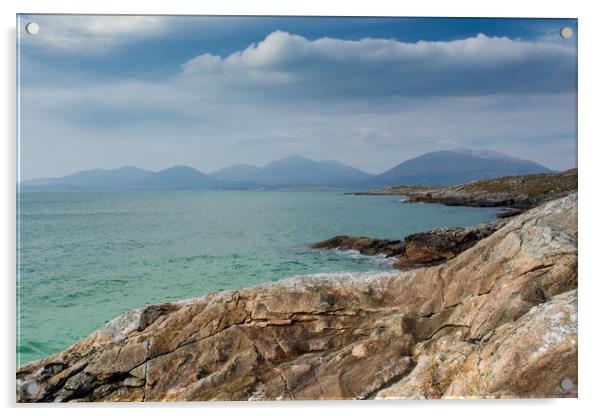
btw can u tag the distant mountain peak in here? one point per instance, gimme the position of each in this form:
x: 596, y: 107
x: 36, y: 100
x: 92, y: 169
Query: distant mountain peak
x: 183, y: 168
x: 454, y: 167
x: 128, y: 167
x: 485, y: 153
x: 294, y: 158
x: 295, y: 170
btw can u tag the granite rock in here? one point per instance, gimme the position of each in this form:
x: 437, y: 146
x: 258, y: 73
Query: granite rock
x: 498, y: 320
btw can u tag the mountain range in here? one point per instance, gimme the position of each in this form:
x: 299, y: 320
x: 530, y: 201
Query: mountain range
x: 435, y: 168
x: 295, y: 170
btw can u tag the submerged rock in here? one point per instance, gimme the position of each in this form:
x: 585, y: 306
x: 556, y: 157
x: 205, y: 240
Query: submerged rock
x: 364, y: 245
x: 498, y: 320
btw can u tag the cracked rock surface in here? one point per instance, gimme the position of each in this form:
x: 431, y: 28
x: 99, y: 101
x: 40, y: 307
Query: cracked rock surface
x: 498, y: 320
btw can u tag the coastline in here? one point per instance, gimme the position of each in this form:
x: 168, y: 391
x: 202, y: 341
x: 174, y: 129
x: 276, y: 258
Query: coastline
x: 515, y: 193
x: 334, y: 337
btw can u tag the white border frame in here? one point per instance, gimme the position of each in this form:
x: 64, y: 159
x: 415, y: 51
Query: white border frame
x: 590, y: 28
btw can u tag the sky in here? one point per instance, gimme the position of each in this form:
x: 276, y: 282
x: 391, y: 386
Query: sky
x: 209, y: 92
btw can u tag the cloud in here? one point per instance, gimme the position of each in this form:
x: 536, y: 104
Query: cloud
x: 89, y: 34
x: 287, y: 73
x: 285, y: 63
x: 371, y: 103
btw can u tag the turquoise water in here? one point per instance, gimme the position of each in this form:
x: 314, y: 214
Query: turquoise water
x: 85, y: 258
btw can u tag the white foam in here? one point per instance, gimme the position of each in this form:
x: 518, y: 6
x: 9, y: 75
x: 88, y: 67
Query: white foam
x: 380, y: 259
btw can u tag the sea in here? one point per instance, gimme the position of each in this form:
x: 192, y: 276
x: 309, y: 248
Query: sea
x: 85, y: 258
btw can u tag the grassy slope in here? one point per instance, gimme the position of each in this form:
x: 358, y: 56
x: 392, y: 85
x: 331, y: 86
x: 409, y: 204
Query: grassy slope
x: 530, y: 185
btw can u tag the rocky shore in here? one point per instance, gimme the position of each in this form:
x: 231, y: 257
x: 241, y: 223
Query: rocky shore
x: 420, y: 249
x: 517, y: 193
x: 497, y: 320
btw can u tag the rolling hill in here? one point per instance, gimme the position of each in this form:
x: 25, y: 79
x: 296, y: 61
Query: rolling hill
x: 180, y: 178
x: 295, y: 170
x: 125, y: 178
x: 454, y: 168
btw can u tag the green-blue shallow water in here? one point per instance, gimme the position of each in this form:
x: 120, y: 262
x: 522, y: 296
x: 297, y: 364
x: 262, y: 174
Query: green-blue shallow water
x: 85, y: 258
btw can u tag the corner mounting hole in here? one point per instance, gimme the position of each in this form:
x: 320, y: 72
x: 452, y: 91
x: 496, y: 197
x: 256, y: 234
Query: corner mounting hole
x: 32, y: 28
x: 33, y: 388
x: 566, y: 32
x: 566, y: 384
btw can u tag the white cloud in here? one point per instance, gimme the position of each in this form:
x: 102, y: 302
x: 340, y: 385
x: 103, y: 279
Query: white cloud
x: 382, y: 67
x: 370, y: 103
x: 89, y: 34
